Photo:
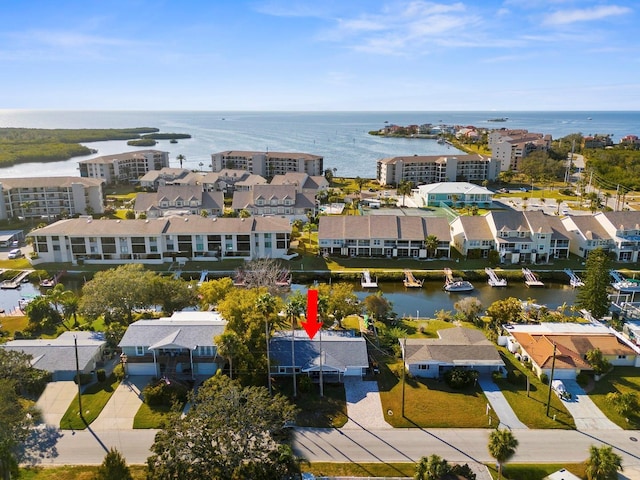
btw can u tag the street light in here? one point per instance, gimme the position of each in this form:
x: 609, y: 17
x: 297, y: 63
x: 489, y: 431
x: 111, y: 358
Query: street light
x: 123, y: 361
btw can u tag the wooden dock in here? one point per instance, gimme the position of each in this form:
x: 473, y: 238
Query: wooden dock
x: 530, y: 279
x: 410, y: 281
x: 15, y: 281
x: 366, y: 281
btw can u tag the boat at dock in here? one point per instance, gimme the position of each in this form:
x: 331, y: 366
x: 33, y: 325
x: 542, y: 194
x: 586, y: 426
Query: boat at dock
x: 455, y: 284
x: 622, y: 284
x: 53, y: 281
x: 410, y: 281
x: 494, y: 280
x: 574, y: 280
x: 530, y: 279
x: 366, y: 281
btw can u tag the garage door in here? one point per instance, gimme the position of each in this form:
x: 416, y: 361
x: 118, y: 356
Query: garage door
x: 141, y: 369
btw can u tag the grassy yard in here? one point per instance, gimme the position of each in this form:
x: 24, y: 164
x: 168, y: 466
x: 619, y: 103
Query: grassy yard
x: 622, y: 380
x: 94, y: 398
x: 531, y: 408
x: 524, y: 471
x: 315, y: 411
x: 81, y: 472
x: 151, y: 416
x: 355, y: 469
x: 12, y: 323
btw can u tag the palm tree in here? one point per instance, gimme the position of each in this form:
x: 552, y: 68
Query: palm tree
x: 432, y: 468
x: 230, y: 346
x: 181, y: 158
x: 201, y: 164
x: 603, y: 463
x: 266, y: 305
x: 502, y: 446
x: 404, y: 189
x: 558, y: 203
x: 431, y: 243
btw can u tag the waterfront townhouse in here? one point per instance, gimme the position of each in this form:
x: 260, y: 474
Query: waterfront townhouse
x: 382, y: 236
x: 169, y: 176
x: 586, y: 234
x: 458, y: 194
x: 472, y: 237
x: 624, y: 230
x: 179, y: 200
x: 268, y: 164
x: 229, y: 180
x: 124, y: 167
x: 515, y: 240
x: 436, y: 168
x: 161, y: 240
x: 509, y: 147
x: 50, y: 197
x: 303, y: 182
x: 282, y: 200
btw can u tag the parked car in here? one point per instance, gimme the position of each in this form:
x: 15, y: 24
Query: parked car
x: 560, y: 390
x: 15, y: 253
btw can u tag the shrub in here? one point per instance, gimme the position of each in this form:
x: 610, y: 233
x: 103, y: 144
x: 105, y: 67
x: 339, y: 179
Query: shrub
x: 515, y: 377
x: 305, y: 383
x: 165, y: 392
x: 101, y: 374
x: 85, y: 378
x: 582, y: 379
x: 544, y: 378
x: 458, y: 378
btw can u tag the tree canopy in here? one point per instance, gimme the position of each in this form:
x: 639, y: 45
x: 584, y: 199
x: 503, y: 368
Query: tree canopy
x: 603, y: 463
x: 229, y: 433
x: 502, y: 446
x: 593, y: 295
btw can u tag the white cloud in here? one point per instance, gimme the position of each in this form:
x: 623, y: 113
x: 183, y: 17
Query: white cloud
x: 564, y: 17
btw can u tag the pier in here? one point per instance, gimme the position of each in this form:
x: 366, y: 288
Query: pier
x: 366, y: 281
x: 203, y: 276
x: 410, y: 281
x: 530, y: 279
x: 574, y: 280
x: 15, y: 281
x: 494, y: 280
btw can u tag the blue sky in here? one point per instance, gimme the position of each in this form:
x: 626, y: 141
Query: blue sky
x: 320, y: 55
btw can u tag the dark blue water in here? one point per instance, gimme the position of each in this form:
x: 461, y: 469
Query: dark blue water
x: 340, y: 137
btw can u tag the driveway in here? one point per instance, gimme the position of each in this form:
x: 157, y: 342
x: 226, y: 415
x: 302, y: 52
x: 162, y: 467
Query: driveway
x: 585, y: 413
x: 499, y: 404
x: 55, y: 401
x: 120, y: 410
x: 364, y: 407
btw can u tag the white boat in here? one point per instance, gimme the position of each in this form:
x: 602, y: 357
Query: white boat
x: 458, y: 286
x: 574, y: 280
x: 455, y: 284
x: 494, y: 280
x: 622, y: 284
x: 366, y: 280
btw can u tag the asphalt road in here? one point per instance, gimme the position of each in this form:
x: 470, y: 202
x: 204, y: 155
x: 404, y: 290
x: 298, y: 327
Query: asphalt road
x: 378, y: 445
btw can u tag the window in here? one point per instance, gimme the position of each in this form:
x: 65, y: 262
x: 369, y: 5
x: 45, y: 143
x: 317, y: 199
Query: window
x: 622, y: 357
x: 139, y: 350
x: 423, y: 367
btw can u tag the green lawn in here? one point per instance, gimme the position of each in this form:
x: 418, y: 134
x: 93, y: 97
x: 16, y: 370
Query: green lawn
x: 68, y: 472
x: 151, y: 416
x: 531, y: 408
x: 622, y: 380
x: 356, y: 469
x: 94, y: 398
x: 11, y: 324
x: 315, y: 411
x: 524, y: 471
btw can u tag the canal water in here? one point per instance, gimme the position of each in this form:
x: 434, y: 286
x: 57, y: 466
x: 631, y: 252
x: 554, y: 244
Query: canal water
x: 409, y: 302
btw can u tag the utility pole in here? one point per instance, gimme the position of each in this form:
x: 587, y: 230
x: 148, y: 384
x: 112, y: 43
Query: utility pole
x: 75, y: 343
x: 553, y: 365
x: 404, y: 349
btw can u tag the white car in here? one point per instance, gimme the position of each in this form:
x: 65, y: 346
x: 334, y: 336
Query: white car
x: 15, y: 253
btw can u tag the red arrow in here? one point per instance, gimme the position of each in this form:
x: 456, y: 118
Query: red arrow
x: 312, y: 325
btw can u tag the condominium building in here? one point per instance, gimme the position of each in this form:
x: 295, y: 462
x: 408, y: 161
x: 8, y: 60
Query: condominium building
x: 436, y: 168
x: 268, y: 164
x: 509, y: 147
x: 166, y: 239
x: 49, y: 197
x: 124, y: 167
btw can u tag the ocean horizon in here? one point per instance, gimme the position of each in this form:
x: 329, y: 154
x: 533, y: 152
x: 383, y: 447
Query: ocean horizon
x: 341, y: 137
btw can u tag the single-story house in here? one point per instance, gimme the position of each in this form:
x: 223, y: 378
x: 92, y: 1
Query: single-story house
x: 455, y: 347
x: 338, y: 354
x: 572, y: 342
x: 58, y: 355
x: 179, y: 345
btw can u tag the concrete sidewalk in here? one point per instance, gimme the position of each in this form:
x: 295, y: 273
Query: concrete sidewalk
x: 55, y: 401
x: 120, y: 410
x: 499, y: 404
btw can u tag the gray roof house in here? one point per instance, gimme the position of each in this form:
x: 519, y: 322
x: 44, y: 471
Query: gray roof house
x: 58, y: 355
x: 181, y: 345
x: 340, y: 353
x: 281, y: 200
x: 179, y: 200
x: 454, y: 347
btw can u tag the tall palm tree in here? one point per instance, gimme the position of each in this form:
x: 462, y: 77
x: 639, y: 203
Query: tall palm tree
x: 266, y: 305
x: 431, y: 244
x: 181, y: 158
x: 603, y: 463
x: 502, y: 446
x: 404, y: 189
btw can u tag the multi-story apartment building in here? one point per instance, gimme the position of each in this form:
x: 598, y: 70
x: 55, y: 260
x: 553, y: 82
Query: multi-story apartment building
x: 166, y: 239
x: 49, y: 197
x: 436, y: 168
x: 268, y: 164
x: 282, y: 200
x: 124, y: 167
x: 509, y: 147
